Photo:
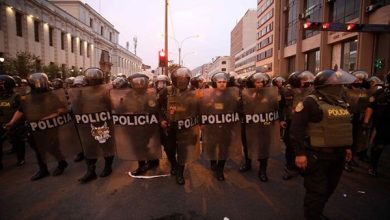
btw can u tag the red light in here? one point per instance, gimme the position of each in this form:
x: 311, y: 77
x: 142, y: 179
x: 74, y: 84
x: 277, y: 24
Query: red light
x: 306, y: 25
x: 162, y: 53
x: 325, y: 25
x: 350, y: 26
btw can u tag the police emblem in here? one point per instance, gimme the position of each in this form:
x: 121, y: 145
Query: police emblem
x: 299, y: 107
x: 101, y: 134
x: 151, y: 103
x: 218, y: 106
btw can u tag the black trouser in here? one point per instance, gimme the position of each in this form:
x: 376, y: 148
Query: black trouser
x: 244, y: 142
x: 381, y: 140
x: 321, y: 177
x: 168, y: 140
x: 38, y: 154
x: 290, y: 150
x: 17, y: 143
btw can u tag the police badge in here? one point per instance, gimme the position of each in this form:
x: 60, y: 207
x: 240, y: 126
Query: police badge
x: 101, y: 134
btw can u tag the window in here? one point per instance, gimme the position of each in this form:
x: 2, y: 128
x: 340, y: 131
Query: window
x: 264, y: 7
x: 291, y: 21
x: 264, y: 55
x: 349, y: 55
x: 36, y: 30
x: 81, y: 47
x: 18, y: 18
x: 51, y: 36
x: 110, y: 36
x: 91, y: 22
x: 72, y: 44
x: 290, y: 64
x: 223, y: 62
x: 101, y: 30
x: 265, y: 30
x: 265, y: 18
x: 312, y: 61
x: 345, y: 10
x: 88, y: 49
x: 62, y: 41
x: 223, y: 69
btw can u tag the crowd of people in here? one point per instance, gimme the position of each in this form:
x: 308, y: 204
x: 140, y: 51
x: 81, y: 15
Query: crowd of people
x: 325, y: 121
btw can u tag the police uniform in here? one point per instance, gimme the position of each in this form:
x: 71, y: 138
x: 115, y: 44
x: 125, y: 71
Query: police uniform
x: 321, y: 131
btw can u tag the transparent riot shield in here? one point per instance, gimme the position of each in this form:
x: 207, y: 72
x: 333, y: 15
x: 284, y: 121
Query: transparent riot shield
x: 261, y: 118
x: 183, y: 115
x: 51, y: 124
x: 136, y: 124
x: 300, y: 94
x: 92, y: 112
x: 219, y: 116
x: 358, y: 100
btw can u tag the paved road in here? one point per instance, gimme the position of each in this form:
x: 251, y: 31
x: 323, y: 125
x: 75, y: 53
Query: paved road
x: 241, y: 196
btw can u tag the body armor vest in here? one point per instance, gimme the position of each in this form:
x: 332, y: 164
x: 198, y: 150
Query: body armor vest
x: 6, y: 109
x: 335, y: 128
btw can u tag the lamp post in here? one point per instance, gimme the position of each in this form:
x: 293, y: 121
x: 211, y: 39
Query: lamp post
x: 180, y: 44
x: 185, y: 55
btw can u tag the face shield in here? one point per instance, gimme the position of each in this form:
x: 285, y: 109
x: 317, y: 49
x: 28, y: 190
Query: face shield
x: 139, y: 84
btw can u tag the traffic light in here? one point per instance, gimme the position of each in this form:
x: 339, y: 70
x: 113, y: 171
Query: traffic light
x: 346, y: 27
x: 162, y: 59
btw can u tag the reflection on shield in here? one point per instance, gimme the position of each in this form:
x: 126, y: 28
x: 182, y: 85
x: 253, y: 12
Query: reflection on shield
x: 136, y: 124
x: 183, y: 114
x: 261, y: 116
x: 91, y: 109
x: 51, y: 124
x: 300, y: 94
x: 220, y: 123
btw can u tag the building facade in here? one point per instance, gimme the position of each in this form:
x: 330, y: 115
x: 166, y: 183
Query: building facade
x: 245, y: 61
x: 219, y: 64
x: 302, y: 49
x: 70, y: 34
x: 268, y: 20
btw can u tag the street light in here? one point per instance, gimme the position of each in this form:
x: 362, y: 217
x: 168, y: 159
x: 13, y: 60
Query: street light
x: 2, y: 59
x: 185, y: 55
x: 180, y: 44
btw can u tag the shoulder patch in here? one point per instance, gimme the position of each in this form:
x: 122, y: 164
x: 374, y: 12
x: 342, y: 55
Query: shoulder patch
x: 299, y: 107
x: 371, y: 99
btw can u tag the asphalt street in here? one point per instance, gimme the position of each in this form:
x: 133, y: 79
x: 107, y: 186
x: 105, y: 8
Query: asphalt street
x: 240, y: 196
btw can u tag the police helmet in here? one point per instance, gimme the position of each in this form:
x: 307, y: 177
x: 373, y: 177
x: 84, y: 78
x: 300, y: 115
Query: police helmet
x: 161, y: 81
x: 139, y: 82
x: 18, y: 80
x: 94, y: 76
x: 262, y: 77
x: 331, y: 77
x: 276, y: 81
x: 119, y: 82
x: 79, y: 81
x: 57, y: 83
x: 7, y: 83
x: 219, y: 76
x: 297, y: 77
x: 181, y: 78
x: 360, y: 75
x: 69, y: 80
x: 374, y: 80
x: 196, y: 81
x: 39, y: 82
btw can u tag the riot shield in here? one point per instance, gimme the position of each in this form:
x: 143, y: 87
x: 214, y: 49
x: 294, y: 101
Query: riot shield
x: 261, y: 118
x: 183, y: 115
x: 300, y: 94
x: 92, y: 112
x: 219, y: 116
x: 357, y: 99
x: 136, y: 124
x: 51, y: 124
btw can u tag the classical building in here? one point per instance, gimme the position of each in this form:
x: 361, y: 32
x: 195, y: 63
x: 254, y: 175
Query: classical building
x: 68, y: 33
x: 318, y: 50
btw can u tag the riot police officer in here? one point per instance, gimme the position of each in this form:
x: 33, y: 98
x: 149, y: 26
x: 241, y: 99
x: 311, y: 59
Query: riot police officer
x: 379, y: 111
x: 93, y: 101
x: 16, y: 134
x: 162, y: 81
x: 168, y: 100
x: 299, y: 86
x: 322, y: 133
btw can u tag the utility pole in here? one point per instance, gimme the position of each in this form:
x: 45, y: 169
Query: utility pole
x: 166, y: 37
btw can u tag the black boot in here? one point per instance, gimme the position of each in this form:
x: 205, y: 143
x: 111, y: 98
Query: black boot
x: 107, y: 166
x: 79, y: 157
x: 180, y: 174
x: 246, y: 165
x: 43, y: 172
x: 220, y: 167
x: 263, y: 170
x: 91, y: 174
x: 173, y: 162
x: 213, y: 165
x: 142, y: 168
x: 153, y: 163
x: 60, y: 168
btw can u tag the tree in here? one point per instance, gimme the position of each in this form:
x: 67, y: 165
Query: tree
x: 52, y: 71
x: 23, y: 64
